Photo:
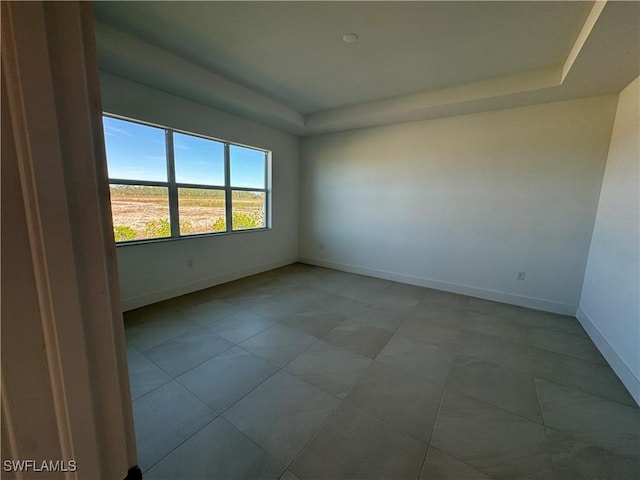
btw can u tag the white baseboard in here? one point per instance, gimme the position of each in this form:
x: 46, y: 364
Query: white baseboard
x: 158, y: 296
x: 496, y: 296
x: 617, y: 363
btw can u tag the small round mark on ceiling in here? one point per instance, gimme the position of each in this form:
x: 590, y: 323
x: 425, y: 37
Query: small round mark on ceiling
x: 350, y: 38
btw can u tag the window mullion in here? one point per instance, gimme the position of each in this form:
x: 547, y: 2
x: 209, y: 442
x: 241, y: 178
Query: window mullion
x: 174, y: 216
x: 267, y: 190
x: 227, y: 185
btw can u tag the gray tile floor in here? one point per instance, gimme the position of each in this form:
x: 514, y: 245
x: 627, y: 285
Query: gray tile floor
x: 309, y: 373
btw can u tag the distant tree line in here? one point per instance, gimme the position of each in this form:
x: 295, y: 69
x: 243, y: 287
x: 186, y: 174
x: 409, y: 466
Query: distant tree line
x: 139, y: 190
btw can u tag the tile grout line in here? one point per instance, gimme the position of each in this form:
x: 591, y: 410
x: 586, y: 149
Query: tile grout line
x: 435, y: 421
x: 313, y: 436
x: 199, y: 364
x: 544, y: 427
x: 152, y: 390
x: 190, y: 436
x: 580, y: 390
x: 341, y: 401
x: 497, y: 407
x: 182, y: 443
x: 221, y: 415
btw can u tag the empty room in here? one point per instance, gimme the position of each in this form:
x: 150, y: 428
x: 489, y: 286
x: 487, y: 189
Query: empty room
x: 321, y: 240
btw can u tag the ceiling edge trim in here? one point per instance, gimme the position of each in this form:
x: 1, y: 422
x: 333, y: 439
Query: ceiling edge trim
x: 406, y: 104
x: 589, y: 23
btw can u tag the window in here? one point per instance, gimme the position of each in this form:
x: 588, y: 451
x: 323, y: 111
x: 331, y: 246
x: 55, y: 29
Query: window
x: 168, y: 184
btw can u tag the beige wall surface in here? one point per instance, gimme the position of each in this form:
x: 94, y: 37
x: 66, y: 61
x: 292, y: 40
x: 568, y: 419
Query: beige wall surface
x: 610, y: 302
x: 156, y: 271
x: 462, y: 203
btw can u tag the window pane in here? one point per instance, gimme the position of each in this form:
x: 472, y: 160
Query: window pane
x: 134, y: 151
x: 201, y: 211
x: 140, y: 212
x: 248, y: 209
x: 247, y: 167
x: 198, y: 160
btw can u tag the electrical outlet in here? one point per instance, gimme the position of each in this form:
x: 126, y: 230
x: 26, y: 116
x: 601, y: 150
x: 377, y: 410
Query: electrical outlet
x: 189, y: 263
x: 519, y: 275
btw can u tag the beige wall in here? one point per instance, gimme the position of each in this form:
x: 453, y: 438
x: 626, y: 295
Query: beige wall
x: 609, y: 306
x: 156, y: 271
x: 461, y: 203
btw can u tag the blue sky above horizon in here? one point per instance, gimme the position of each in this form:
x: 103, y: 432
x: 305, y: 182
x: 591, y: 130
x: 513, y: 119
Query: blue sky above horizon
x: 138, y: 152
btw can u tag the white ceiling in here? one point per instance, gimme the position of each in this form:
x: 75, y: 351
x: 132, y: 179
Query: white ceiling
x: 284, y: 63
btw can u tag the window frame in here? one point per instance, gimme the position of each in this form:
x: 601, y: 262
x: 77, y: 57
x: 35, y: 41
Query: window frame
x: 172, y: 185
